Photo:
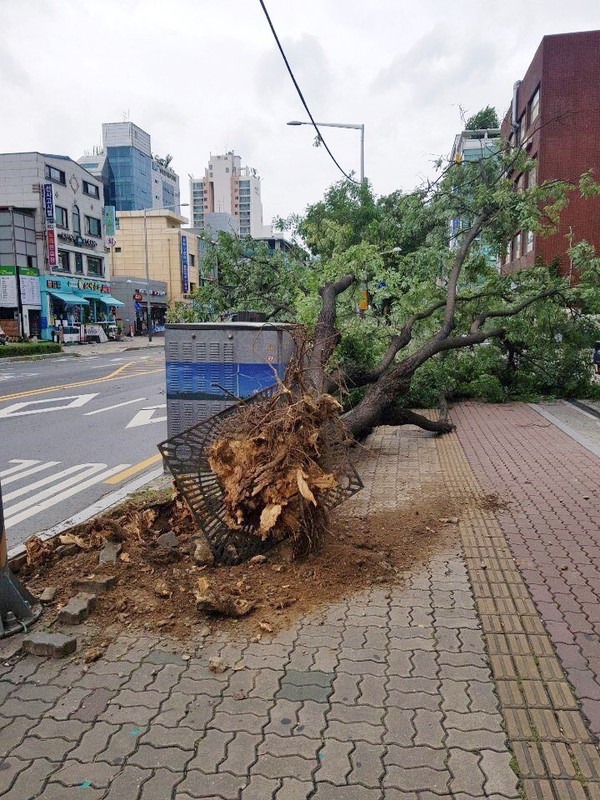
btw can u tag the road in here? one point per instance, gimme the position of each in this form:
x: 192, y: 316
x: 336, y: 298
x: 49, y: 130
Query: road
x: 74, y: 430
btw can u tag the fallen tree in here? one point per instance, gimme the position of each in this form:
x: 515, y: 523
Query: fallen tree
x: 385, y: 286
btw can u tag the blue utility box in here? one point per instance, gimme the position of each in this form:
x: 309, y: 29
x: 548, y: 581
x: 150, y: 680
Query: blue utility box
x: 209, y: 364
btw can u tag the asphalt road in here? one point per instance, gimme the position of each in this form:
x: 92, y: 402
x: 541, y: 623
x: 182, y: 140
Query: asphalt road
x: 74, y: 430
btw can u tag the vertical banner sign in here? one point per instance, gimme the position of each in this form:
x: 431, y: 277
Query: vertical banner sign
x: 110, y: 225
x: 185, y: 283
x: 50, y: 226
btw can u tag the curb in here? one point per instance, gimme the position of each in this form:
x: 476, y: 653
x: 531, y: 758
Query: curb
x: 106, y: 502
x: 76, y: 354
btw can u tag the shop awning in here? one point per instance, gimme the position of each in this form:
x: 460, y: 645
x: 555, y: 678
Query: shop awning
x: 70, y: 298
x: 107, y: 299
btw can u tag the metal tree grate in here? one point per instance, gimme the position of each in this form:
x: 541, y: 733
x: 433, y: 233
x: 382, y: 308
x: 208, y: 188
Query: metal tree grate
x: 186, y: 457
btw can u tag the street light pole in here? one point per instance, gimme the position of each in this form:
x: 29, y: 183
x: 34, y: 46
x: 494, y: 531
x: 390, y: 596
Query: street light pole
x: 146, y: 261
x: 358, y: 127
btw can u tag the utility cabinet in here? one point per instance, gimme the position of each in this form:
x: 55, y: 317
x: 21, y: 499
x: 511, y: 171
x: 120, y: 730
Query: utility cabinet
x: 211, y: 364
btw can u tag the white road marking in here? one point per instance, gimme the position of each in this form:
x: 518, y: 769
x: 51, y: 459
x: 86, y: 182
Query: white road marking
x: 11, y: 375
x: 56, y: 476
x: 21, y: 463
x: 15, y: 410
x: 48, y: 498
x: 146, y: 416
x: 96, y: 508
x: 117, y: 405
x: 32, y: 471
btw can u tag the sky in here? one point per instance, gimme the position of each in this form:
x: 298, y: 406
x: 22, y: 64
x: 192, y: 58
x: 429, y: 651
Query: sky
x: 205, y: 76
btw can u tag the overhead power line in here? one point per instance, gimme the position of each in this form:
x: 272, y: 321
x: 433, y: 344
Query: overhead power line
x: 304, y: 103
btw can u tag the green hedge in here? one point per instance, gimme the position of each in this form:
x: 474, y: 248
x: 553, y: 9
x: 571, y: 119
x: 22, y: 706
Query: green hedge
x: 12, y: 349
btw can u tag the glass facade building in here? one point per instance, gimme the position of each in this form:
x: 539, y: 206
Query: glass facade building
x: 130, y: 182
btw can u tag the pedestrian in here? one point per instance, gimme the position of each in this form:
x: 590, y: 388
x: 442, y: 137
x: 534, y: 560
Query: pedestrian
x: 596, y: 357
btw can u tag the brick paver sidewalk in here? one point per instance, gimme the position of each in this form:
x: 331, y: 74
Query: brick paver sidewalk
x: 399, y: 693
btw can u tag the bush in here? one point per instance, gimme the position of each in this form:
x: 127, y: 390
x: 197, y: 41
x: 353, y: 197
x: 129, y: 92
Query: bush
x: 13, y: 349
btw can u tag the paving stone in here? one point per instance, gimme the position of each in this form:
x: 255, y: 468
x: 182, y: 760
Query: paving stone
x: 413, y: 757
x: 399, y: 727
x: 159, y: 736
x: 333, y: 761
x: 261, y: 788
x: 292, y: 789
x: 476, y: 740
x: 110, y: 551
x: 418, y: 779
x: 29, y: 782
x: 9, y: 769
x: 12, y: 733
x: 77, y: 609
x: 221, y: 786
x: 358, y: 714
x: 161, y: 784
x: 249, y: 723
x: 467, y: 777
x: 72, y: 773
x: 289, y: 746
x: 327, y: 791
x: 473, y: 721
x: 54, y: 645
x: 149, y: 757
x: 500, y: 778
x: 276, y: 766
x: 367, y: 765
x: 311, y: 719
x: 588, y: 760
x: 355, y: 731
x: 121, y: 744
x: 346, y: 688
x: 241, y: 753
x: 93, y: 742
x: 98, y: 584
x: 93, y: 704
x: 159, y: 656
x: 211, y: 750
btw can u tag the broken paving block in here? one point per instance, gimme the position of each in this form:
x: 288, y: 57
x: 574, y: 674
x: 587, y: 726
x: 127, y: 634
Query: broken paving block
x: 109, y: 553
x: 77, y: 609
x: 54, y: 645
x: 48, y: 595
x: 98, y: 584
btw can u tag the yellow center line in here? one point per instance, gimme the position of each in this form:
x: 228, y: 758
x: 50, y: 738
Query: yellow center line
x: 113, y: 376
x: 127, y: 473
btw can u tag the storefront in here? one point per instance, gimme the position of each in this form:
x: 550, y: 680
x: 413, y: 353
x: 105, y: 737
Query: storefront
x: 135, y: 294
x: 77, y: 309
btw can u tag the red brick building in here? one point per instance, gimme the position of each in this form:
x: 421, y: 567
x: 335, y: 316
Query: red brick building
x: 555, y: 115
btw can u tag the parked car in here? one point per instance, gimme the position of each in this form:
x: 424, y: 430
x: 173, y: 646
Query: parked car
x: 2, y: 337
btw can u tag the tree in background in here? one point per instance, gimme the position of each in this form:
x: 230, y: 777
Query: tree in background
x: 484, y: 119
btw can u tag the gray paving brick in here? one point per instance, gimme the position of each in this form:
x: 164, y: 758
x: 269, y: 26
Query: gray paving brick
x: 121, y: 744
x: 413, y: 757
x: 246, y: 705
x: 399, y: 662
x: 398, y: 727
x: 428, y: 725
x: 455, y: 696
x: 354, y: 731
x: 127, y: 784
x: 499, y: 777
x: 211, y: 750
x: 173, y: 710
x: 199, y: 711
x: 466, y: 775
x: 261, y: 788
x: 241, y: 753
x: 70, y: 729
x: 159, y: 736
x: 418, y: 779
x: 473, y: 721
x: 93, y: 742
x: 482, y: 697
x: 128, y: 715
x: 141, y: 678
x: 290, y: 746
x: 73, y: 773
x: 161, y: 785
x: 29, y: 782
x: 327, y: 791
x: 414, y: 684
x: 13, y: 733
x: 9, y: 769
x: 220, y: 786
x: 311, y: 719
x: 32, y: 709
x: 361, y: 667
x: 276, y: 766
x: 355, y: 714
x: 476, y: 740
x: 283, y: 717
x: 149, y: 757
x: 346, y: 688
x: 249, y: 723
x: 413, y: 700
x: 293, y: 789
x: 34, y: 691
x: 334, y: 761
x: 367, y: 764
x: 94, y: 703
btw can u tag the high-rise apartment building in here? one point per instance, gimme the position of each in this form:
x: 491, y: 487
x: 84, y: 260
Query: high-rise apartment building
x: 555, y: 117
x: 133, y: 178
x: 229, y: 188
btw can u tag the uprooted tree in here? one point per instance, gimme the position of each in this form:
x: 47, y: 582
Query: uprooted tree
x: 385, y: 286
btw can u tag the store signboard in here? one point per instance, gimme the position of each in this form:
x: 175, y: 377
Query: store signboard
x: 8, y: 288
x: 30, y: 290
x: 185, y: 281
x: 110, y: 222
x: 50, y: 225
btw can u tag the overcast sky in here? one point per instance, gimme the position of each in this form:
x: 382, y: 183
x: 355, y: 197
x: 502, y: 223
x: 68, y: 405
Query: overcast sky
x: 205, y: 76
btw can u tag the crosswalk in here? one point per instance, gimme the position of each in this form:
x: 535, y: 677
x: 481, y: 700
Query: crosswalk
x: 52, y: 484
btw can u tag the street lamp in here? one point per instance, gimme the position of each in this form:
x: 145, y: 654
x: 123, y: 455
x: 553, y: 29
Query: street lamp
x: 360, y: 128
x: 148, y: 309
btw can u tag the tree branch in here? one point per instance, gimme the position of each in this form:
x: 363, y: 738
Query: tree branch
x: 404, y: 416
x: 510, y: 312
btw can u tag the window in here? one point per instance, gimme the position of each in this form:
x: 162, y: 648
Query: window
x: 64, y: 261
x: 529, y: 241
x: 93, y: 226
x: 516, y: 247
x: 76, y: 220
x: 532, y: 179
x: 118, y: 249
x: 94, y: 265
x: 192, y: 259
x: 534, y: 106
x: 56, y: 175
x: 61, y: 217
x: 79, y: 263
x: 91, y: 189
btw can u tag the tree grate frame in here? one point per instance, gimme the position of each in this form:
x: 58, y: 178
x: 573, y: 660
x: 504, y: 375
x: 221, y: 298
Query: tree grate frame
x: 186, y: 457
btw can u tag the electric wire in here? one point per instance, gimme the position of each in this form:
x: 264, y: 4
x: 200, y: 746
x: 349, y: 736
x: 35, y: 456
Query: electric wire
x: 304, y: 103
